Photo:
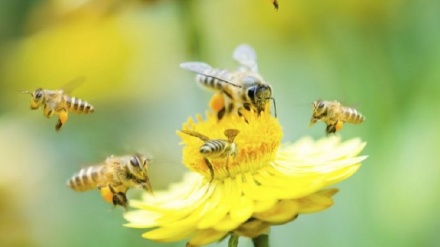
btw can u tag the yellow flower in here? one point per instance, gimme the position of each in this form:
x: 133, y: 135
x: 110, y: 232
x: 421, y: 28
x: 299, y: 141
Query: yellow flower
x: 264, y: 184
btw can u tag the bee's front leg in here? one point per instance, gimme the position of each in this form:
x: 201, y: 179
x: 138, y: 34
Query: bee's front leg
x: 47, y: 111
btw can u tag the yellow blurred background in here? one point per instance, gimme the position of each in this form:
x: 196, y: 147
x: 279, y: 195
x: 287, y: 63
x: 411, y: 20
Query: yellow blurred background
x: 382, y: 57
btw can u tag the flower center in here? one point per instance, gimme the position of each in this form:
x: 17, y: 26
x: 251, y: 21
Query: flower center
x: 212, y: 152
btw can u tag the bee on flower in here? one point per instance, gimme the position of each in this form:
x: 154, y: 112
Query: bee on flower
x: 217, y: 148
x: 241, y: 90
x: 267, y: 183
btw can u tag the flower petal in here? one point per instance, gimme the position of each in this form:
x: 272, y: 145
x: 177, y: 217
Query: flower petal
x: 283, y: 212
x: 205, y: 237
x: 316, y: 202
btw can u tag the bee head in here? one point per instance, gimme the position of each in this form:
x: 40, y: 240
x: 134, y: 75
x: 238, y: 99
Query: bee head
x: 139, y: 164
x: 259, y: 95
x: 37, y: 98
x: 139, y: 170
x: 318, y: 111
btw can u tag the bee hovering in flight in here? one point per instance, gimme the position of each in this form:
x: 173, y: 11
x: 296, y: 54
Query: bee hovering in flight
x: 217, y: 148
x: 275, y: 4
x: 114, y: 177
x: 59, y: 102
x: 334, y: 115
x: 243, y: 88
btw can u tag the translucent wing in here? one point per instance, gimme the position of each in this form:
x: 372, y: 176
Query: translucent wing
x: 195, y: 134
x: 196, y: 67
x: 73, y: 84
x: 206, y: 70
x: 246, y: 56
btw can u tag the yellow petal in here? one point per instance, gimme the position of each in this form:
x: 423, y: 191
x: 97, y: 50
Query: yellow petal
x: 205, y: 237
x: 316, y: 202
x: 242, y: 206
x: 227, y: 224
x: 260, y: 205
x: 218, y: 210
x: 169, y: 234
x: 283, y: 212
x: 252, y: 228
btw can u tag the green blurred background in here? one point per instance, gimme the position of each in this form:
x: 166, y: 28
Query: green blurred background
x: 382, y: 57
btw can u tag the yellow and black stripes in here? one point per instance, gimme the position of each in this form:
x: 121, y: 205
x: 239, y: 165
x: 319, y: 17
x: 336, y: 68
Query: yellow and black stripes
x: 352, y: 115
x: 77, y: 105
x: 214, y: 148
x: 214, y: 78
x: 88, y: 178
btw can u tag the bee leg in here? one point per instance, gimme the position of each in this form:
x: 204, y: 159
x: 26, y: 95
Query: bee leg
x: 331, y: 128
x: 227, y: 164
x: 62, y: 118
x: 211, y: 169
x: 47, y: 112
x: 118, y: 198
x: 241, y: 115
x: 221, y: 113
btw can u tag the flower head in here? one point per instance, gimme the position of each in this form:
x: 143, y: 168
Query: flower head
x: 264, y: 184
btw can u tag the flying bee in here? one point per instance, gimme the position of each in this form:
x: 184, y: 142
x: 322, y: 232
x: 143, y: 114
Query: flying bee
x: 275, y: 4
x: 59, y: 102
x: 114, y: 177
x: 243, y: 88
x: 217, y: 148
x: 334, y: 115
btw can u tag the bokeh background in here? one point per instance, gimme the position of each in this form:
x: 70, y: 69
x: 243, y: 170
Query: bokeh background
x: 382, y: 57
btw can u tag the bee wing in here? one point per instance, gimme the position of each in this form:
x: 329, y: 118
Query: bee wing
x: 196, y: 134
x: 206, y: 70
x: 196, y: 67
x: 73, y: 84
x: 246, y: 56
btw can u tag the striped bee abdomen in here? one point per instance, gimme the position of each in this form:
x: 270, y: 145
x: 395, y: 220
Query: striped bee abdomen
x: 353, y: 116
x: 88, y: 178
x: 210, y: 78
x: 78, y: 105
x: 213, y: 148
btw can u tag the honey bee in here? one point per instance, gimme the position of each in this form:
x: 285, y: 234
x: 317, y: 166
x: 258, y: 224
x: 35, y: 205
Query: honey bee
x: 243, y: 88
x: 59, y: 102
x: 217, y: 148
x: 275, y: 4
x: 114, y: 177
x: 334, y: 115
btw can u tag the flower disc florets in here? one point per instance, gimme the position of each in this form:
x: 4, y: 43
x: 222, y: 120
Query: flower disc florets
x: 257, y: 142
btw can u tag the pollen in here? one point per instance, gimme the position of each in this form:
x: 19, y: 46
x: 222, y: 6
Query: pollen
x: 106, y: 194
x: 257, y: 142
x: 217, y: 102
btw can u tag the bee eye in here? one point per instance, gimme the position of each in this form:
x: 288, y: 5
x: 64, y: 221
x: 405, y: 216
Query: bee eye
x: 251, y: 93
x: 321, y: 104
x: 134, y: 161
x: 38, y: 94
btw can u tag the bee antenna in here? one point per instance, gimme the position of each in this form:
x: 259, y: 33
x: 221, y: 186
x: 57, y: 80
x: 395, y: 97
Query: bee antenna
x: 26, y: 92
x: 223, y: 80
x: 274, y: 106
